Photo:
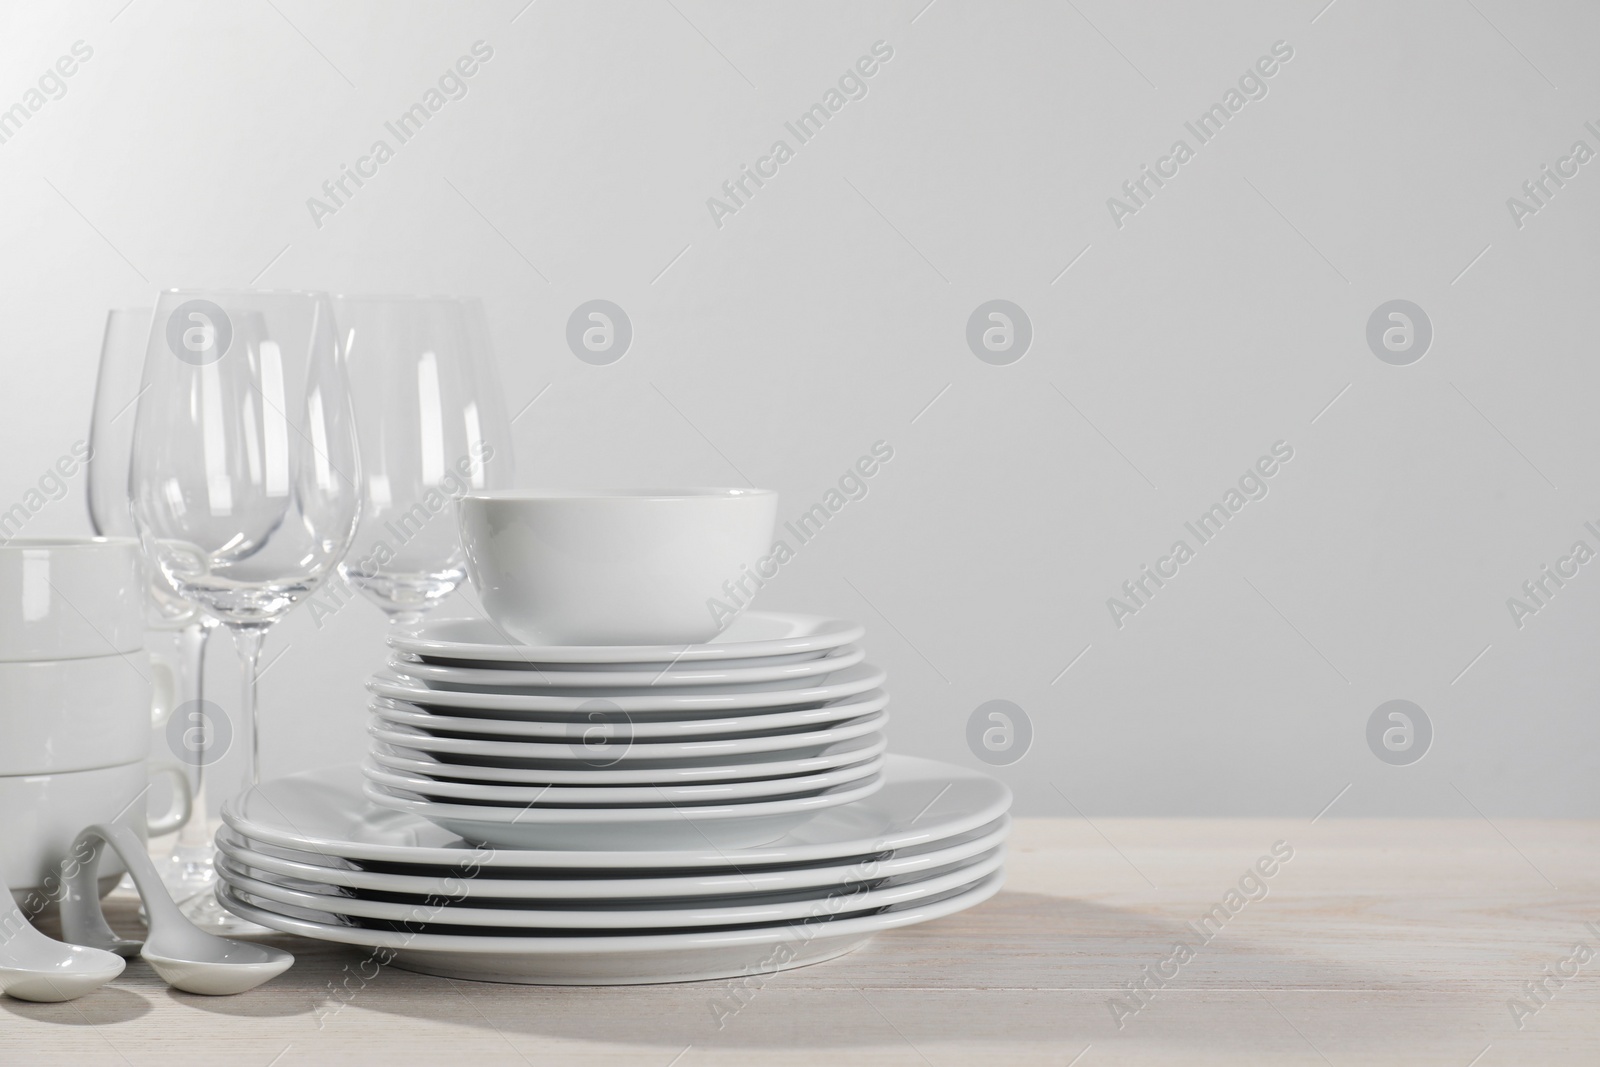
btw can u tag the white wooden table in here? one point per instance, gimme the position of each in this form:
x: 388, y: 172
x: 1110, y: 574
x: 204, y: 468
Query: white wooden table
x: 1378, y: 942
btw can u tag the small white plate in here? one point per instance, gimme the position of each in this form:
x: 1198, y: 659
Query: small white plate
x: 624, y: 959
x: 753, y: 634
x: 726, y: 699
x: 791, y: 675
x: 595, y: 916
x: 729, y: 825
x: 547, y: 795
x: 325, y: 812
x: 562, y: 772
x: 309, y: 869
x: 406, y: 713
x: 607, y: 746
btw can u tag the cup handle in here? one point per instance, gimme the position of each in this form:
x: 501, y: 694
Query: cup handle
x: 182, y: 801
x: 163, y: 689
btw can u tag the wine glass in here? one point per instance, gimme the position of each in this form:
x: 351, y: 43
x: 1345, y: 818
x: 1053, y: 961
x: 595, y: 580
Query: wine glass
x: 189, y: 869
x: 245, y: 475
x: 431, y: 426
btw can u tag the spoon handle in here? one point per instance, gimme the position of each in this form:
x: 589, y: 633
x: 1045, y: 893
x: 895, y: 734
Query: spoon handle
x: 82, y: 921
x: 158, y: 903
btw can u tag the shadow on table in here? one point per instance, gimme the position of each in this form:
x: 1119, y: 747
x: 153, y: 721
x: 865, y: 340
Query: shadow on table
x: 1020, y: 968
x: 105, y: 1006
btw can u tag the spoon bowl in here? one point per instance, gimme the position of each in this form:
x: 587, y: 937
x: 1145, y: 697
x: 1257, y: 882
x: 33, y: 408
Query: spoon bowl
x: 185, y: 956
x: 35, y: 967
x: 57, y: 972
x: 238, y: 968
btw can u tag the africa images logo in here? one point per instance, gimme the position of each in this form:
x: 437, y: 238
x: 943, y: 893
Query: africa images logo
x: 199, y: 332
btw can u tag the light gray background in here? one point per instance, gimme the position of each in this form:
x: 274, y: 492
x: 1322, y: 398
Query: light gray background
x: 832, y: 310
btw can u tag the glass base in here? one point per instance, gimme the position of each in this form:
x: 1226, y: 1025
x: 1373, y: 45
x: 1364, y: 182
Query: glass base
x: 190, y: 875
x: 188, y: 870
x: 203, y: 910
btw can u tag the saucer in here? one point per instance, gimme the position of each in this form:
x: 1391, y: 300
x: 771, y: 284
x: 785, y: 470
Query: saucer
x: 790, y: 674
x: 753, y: 634
x: 726, y: 699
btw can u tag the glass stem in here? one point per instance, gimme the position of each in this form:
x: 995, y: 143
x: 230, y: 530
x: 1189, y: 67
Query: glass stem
x: 194, y: 836
x: 403, y: 621
x: 247, y: 639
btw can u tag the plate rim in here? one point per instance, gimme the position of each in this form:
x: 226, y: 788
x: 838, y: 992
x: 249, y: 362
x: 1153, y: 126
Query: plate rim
x: 888, y: 919
x: 670, y: 858
x: 872, y: 677
x: 671, y: 814
x: 666, y: 678
x: 843, y: 758
x: 424, y: 646
x: 827, y: 734
x: 799, y: 783
x: 381, y: 881
x: 856, y: 703
x: 705, y: 914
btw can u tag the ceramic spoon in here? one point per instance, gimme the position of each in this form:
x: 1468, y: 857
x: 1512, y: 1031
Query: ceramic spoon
x: 34, y: 967
x: 185, y: 956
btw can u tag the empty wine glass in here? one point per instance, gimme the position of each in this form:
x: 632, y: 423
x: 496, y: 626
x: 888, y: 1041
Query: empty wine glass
x: 245, y: 477
x: 189, y: 870
x: 431, y: 426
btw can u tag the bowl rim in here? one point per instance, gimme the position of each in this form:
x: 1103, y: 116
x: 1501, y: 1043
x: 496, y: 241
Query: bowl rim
x: 674, y: 493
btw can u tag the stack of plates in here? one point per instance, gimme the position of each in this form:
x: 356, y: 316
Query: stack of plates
x: 308, y: 855
x: 729, y: 744
x: 618, y: 814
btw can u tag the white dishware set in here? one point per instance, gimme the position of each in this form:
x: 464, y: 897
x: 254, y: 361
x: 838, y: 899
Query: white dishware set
x: 76, y: 690
x: 75, y: 715
x: 606, y: 777
x: 599, y: 787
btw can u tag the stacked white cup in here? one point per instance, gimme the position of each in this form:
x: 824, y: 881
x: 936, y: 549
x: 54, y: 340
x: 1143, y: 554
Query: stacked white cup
x: 75, y: 707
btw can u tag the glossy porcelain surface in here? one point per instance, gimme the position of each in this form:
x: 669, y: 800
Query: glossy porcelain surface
x: 727, y: 699
x: 324, y: 812
x: 790, y: 674
x: 636, y: 959
x: 70, y: 597
x: 74, y: 715
x: 630, y: 567
x: 758, y: 635
x: 310, y: 869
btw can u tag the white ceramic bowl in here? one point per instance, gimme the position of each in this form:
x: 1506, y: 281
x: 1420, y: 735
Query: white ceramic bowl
x: 625, y: 567
x: 74, y: 714
x: 42, y: 815
x: 70, y: 597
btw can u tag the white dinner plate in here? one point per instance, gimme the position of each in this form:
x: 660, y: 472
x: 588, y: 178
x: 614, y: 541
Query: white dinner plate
x: 450, y: 680
x: 564, y: 772
x: 325, y: 812
x: 605, y: 748
x: 726, y: 699
x: 752, y: 635
x: 406, y: 713
x: 596, y: 915
x: 625, y: 959
x: 310, y: 869
x: 788, y: 674
x: 734, y: 824
x: 542, y: 795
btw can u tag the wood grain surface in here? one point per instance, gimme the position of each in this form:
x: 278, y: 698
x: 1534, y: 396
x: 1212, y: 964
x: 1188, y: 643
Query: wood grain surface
x: 1375, y: 942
